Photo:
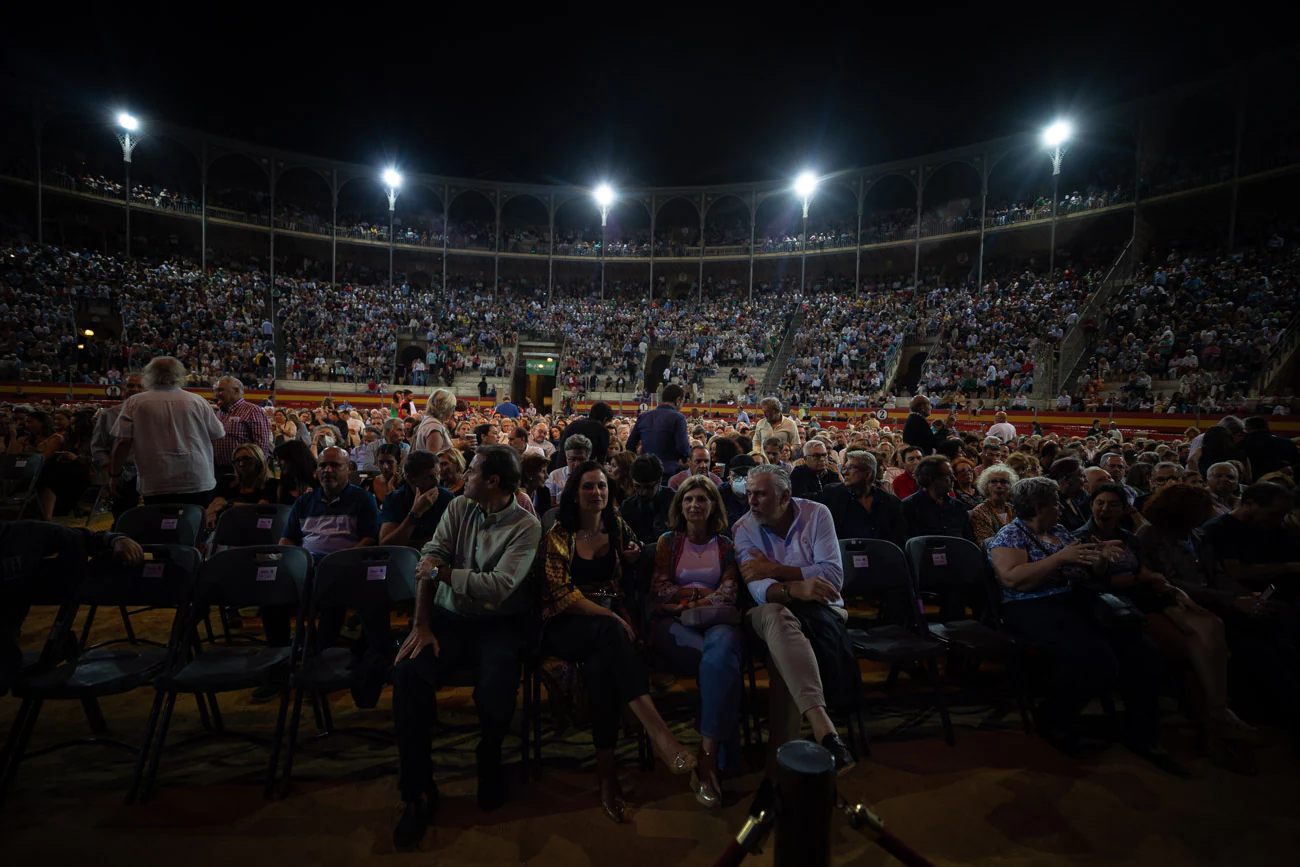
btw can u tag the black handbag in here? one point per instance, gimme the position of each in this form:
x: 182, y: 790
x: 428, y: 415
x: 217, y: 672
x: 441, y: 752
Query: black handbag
x: 1109, y: 611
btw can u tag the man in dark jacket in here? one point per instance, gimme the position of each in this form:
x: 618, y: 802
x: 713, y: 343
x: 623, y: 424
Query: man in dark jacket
x: 593, y: 428
x: 861, y: 508
x: 930, y: 511
x: 916, y: 430
x: 646, y: 511
x: 662, y: 431
x: 1266, y: 451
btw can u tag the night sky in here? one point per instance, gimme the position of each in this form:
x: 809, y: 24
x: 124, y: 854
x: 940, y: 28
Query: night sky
x: 672, y: 96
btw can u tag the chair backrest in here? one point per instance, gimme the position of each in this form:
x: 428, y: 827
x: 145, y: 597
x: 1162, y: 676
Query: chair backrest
x: 166, y: 524
x: 242, y: 525
x: 21, y: 468
x: 376, y: 577
x: 548, y: 520
x: 951, y: 568
x: 637, y: 589
x: 876, y: 570
x: 255, y: 575
x: 166, y: 579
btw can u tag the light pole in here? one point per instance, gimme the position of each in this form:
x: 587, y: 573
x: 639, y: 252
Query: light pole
x: 604, y: 196
x: 1054, y: 139
x: 804, y: 187
x: 128, y: 142
x: 392, y: 183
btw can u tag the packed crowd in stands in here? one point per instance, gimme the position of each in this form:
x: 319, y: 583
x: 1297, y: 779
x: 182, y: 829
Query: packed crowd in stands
x: 1183, y: 534
x: 1206, y: 323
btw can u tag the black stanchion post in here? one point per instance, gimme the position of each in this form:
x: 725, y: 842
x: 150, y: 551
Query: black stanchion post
x: 806, y: 782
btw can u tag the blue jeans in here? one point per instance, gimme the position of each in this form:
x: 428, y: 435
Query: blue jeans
x: 713, y: 656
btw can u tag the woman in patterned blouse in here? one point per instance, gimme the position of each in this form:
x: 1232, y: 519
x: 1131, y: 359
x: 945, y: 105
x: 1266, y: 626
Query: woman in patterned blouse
x: 1044, y: 572
x: 696, y: 628
x: 995, y: 512
x: 586, y: 621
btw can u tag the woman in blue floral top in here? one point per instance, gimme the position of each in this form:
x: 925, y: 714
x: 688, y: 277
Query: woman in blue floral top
x: 1043, y: 570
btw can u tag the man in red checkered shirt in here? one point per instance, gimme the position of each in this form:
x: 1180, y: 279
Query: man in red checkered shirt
x: 244, y: 423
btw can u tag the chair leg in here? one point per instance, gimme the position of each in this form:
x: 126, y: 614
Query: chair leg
x: 326, y: 714
x: 294, y: 721
x: 218, y: 724
x: 16, y: 745
x: 941, y: 702
x: 276, y: 739
x: 94, y: 716
x: 152, y: 771
x: 145, y: 744
x: 85, y: 627
x: 205, y: 719
x: 862, y: 733
x: 315, y: 711
x: 126, y: 624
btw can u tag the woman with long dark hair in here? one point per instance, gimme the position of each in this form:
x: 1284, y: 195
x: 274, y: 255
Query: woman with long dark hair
x: 297, y: 471
x: 585, y: 619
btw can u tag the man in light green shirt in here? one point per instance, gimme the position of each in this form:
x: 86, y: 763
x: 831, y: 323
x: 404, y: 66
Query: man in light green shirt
x: 472, y: 610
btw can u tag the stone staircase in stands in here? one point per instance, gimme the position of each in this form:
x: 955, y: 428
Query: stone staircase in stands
x: 776, y: 369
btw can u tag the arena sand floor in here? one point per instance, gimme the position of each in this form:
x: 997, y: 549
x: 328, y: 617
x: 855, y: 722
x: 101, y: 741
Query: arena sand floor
x: 996, y: 798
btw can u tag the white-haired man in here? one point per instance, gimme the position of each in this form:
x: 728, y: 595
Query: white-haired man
x: 175, y: 430
x: 789, y: 556
x: 243, y: 422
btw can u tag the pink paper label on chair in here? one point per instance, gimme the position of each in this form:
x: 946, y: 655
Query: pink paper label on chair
x: 168, y: 523
x: 376, y: 573
x: 263, y: 523
x: 20, y: 464
x: 154, y: 570
x: 266, y: 573
x: 861, y: 561
x: 939, y: 558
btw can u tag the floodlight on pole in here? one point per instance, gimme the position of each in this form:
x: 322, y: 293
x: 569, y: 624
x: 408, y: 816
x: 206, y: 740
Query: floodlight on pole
x: 804, y: 187
x: 129, y: 124
x: 392, y: 182
x: 1054, y: 139
x: 604, y: 196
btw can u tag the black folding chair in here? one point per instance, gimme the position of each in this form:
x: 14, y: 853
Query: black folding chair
x: 261, y: 575
x: 178, y: 524
x: 18, y: 482
x: 957, y: 571
x: 243, y: 525
x: 875, y: 569
x: 370, y: 578
x: 166, y: 580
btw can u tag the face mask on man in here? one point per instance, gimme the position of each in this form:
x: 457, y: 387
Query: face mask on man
x: 738, y: 485
x: 327, y: 442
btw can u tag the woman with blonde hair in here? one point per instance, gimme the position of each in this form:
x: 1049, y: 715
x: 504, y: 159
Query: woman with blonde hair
x: 431, y: 434
x: 696, y: 625
x: 451, y: 466
x: 251, y: 482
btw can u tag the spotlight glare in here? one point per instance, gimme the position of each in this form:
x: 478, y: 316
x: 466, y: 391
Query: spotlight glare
x: 805, y: 184
x: 127, y: 122
x: 392, y: 178
x: 1056, y: 134
x: 604, y: 195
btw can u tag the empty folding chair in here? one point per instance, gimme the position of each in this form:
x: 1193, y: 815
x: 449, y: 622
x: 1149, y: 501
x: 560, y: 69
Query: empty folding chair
x: 243, y: 525
x: 260, y: 575
x: 178, y: 524
x: 958, y: 572
x: 376, y: 578
x: 18, y: 477
x: 166, y: 579
x: 874, y: 570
